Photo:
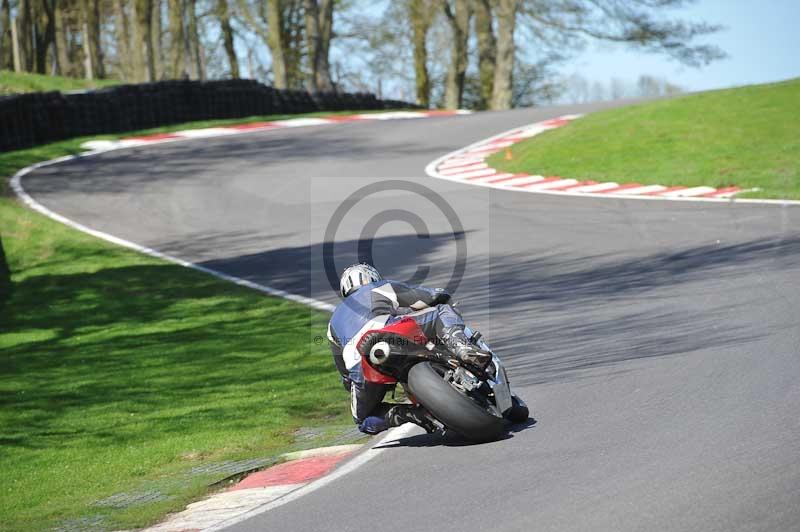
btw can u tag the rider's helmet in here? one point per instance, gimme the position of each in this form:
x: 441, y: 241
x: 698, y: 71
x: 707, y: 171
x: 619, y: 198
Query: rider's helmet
x: 356, y: 276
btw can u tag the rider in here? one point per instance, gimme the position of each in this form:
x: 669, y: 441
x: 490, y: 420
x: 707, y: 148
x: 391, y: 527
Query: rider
x: 370, y: 302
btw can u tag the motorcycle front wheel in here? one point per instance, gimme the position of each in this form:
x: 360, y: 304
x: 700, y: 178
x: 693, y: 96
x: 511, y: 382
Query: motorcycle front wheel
x: 456, y: 410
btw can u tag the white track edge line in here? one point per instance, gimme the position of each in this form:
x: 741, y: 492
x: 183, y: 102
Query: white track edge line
x: 16, y: 185
x: 430, y: 170
x: 351, y: 465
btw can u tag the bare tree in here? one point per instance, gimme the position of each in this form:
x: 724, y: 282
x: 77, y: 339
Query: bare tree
x: 502, y: 89
x: 652, y: 87
x: 487, y: 50
x: 223, y: 14
x: 319, y: 28
x: 6, y: 59
x: 576, y: 89
x: 156, y: 36
x: 61, y: 37
x: 639, y: 24
x: 537, y: 83
x: 617, y: 89
x: 90, y: 26
x: 43, y: 23
x: 275, y: 41
x: 123, y: 39
x: 294, y: 43
x: 598, y: 92
x: 143, y: 40
x: 177, y: 67
x: 458, y: 18
x: 420, y: 15
x: 270, y: 28
x: 196, y: 65
x: 24, y: 29
x: 324, y: 81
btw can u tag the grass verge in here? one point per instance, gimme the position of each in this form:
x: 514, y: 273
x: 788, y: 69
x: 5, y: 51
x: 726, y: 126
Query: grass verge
x: 123, y: 374
x: 16, y: 82
x: 748, y: 137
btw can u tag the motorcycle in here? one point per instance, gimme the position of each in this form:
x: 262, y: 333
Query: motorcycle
x: 476, y: 403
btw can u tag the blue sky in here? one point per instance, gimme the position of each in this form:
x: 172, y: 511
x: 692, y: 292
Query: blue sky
x: 762, y: 40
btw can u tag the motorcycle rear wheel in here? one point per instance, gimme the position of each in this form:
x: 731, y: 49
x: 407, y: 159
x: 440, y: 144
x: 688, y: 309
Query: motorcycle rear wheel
x: 454, y: 409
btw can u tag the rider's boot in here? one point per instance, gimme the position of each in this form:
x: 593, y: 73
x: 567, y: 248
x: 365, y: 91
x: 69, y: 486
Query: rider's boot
x: 456, y: 340
x: 400, y: 414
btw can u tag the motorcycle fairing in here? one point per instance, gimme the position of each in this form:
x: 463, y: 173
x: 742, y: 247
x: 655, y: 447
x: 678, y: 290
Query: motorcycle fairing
x: 405, y: 328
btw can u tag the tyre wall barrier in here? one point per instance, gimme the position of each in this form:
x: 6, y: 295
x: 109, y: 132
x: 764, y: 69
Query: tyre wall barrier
x: 38, y: 118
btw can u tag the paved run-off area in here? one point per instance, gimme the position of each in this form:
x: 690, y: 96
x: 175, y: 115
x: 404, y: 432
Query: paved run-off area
x: 656, y: 341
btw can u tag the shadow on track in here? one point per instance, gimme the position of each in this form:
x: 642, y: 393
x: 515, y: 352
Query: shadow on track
x: 450, y: 439
x: 551, y: 317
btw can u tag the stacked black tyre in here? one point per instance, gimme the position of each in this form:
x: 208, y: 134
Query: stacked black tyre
x: 31, y: 119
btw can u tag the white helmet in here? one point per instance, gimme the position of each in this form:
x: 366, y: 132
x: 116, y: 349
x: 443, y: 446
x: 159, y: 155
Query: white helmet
x: 356, y: 276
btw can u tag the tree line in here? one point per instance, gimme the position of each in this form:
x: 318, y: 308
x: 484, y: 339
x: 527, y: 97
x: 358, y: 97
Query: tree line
x: 485, y: 54
x: 578, y: 89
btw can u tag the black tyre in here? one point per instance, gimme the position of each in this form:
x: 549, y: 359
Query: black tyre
x: 519, y: 412
x: 457, y: 411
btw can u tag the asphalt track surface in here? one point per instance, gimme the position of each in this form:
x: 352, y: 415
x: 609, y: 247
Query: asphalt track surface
x: 657, y: 341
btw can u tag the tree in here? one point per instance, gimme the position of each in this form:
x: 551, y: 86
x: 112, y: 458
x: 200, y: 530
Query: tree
x: 598, y: 92
x: 143, y: 41
x: 43, y: 33
x: 319, y: 27
x: 576, y: 88
x: 487, y: 50
x: 536, y: 83
x: 155, y: 38
x: 24, y: 34
x: 294, y: 43
x: 640, y: 24
x: 93, y: 52
x: 420, y: 18
x: 195, y: 51
x: 502, y: 89
x: 123, y: 40
x: 652, y: 87
x: 177, y: 41
x: 223, y: 14
x: 617, y: 89
x: 6, y: 58
x: 270, y: 28
x: 61, y: 38
x: 276, y: 43
x: 458, y: 19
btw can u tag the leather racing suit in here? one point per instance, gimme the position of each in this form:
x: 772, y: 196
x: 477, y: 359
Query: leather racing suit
x: 374, y: 306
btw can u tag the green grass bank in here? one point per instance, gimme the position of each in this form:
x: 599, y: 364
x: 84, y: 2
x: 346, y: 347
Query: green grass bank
x: 748, y: 137
x: 124, y: 374
x: 17, y: 82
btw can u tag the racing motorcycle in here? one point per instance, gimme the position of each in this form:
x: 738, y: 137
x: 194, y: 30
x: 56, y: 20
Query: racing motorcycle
x: 475, y: 403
